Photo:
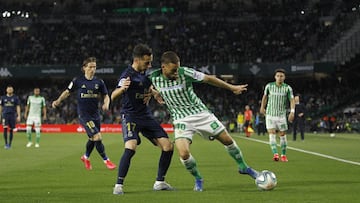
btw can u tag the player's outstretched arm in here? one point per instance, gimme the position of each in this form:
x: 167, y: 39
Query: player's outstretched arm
x: 236, y: 89
x: 65, y: 94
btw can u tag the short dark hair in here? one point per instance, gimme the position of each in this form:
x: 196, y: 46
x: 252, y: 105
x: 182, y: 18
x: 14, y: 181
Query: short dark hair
x: 89, y: 60
x: 280, y: 70
x: 169, y: 57
x: 141, y: 50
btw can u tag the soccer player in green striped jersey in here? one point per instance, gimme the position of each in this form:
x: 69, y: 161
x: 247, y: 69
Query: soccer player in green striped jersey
x: 274, y: 106
x: 35, y: 107
x: 190, y: 115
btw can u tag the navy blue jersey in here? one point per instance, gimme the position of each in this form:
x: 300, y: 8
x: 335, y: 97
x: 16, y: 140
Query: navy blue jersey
x: 88, y: 94
x: 133, y: 98
x: 9, y: 104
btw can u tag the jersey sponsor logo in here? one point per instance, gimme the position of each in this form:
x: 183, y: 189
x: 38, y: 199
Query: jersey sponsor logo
x: 278, y: 93
x: 89, y: 95
x: 175, y: 87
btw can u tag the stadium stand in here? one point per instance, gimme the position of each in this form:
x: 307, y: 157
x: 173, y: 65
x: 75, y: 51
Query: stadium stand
x: 202, y: 32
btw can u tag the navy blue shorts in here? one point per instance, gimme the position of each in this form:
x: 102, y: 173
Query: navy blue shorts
x: 92, y: 127
x: 149, y: 128
x: 9, y: 120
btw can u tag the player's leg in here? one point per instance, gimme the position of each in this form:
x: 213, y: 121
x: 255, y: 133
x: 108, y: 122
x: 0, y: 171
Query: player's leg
x: 29, y: 124
x: 37, y: 125
x: 302, y: 129
x: 183, y: 147
x: 124, y: 165
x: 283, y: 146
x: 131, y: 140
x: 28, y: 135
x: 271, y: 128
x: 12, y: 126
x: 5, y: 123
x: 11, y: 136
x: 89, y: 127
x: 156, y: 134
x: 167, y: 151
x: 5, y: 127
x: 235, y: 152
x: 283, y: 127
x: 101, y: 150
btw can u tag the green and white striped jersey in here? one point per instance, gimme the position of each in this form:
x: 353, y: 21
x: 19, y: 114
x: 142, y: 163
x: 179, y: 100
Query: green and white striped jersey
x: 179, y: 95
x: 36, y: 104
x: 277, y: 98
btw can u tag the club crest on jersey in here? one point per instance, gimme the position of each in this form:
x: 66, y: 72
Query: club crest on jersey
x: 96, y: 86
x: 83, y: 86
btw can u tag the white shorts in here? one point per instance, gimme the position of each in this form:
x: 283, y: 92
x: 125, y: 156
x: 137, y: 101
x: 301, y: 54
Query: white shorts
x: 277, y: 123
x: 34, y: 120
x: 204, y: 123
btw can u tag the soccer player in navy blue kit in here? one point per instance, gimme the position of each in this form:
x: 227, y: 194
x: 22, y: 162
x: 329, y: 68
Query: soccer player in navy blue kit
x: 10, y: 112
x: 137, y: 118
x: 89, y: 88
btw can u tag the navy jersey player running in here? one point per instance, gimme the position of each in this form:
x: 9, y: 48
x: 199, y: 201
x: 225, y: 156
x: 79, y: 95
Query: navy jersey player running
x: 10, y: 110
x: 89, y: 89
x: 137, y: 118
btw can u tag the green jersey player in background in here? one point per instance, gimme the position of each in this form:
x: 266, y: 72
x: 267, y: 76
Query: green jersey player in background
x: 190, y: 115
x: 35, y: 107
x: 274, y: 106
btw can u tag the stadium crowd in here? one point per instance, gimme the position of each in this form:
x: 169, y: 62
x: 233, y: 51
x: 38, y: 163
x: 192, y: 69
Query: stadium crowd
x: 208, y: 31
x: 65, y: 32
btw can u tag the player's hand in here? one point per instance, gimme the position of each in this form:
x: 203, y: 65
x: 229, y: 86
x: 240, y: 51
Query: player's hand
x: 147, y: 98
x: 125, y: 83
x: 238, y: 89
x: 18, y: 119
x: 291, y: 117
x: 55, y: 104
x: 157, y: 96
x: 262, y: 111
x: 159, y: 99
x: 105, y: 107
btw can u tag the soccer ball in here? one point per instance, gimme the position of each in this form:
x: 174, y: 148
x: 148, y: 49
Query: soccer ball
x: 266, y: 180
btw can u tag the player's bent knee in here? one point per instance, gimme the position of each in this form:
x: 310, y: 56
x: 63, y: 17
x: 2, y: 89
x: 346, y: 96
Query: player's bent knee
x: 96, y: 137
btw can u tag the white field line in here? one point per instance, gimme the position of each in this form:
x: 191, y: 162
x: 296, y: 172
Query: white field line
x: 305, y: 151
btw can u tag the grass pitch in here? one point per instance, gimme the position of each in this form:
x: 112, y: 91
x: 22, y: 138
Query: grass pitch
x: 321, y: 169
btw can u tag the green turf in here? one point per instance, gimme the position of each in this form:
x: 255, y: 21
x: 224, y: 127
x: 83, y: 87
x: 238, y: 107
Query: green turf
x: 54, y: 172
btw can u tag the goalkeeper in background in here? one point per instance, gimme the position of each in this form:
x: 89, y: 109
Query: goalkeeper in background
x: 35, y: 106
